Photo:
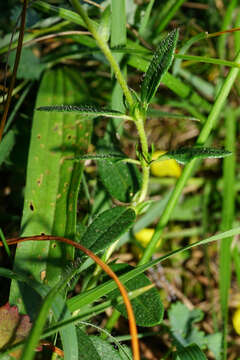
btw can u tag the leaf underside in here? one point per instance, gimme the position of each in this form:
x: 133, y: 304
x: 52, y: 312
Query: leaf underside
x: 159, y: 65
x: 184, y: 155
x: 147, y: 307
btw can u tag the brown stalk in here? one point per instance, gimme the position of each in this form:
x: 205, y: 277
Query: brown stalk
x: 16, y: 63
x: 106, y: 268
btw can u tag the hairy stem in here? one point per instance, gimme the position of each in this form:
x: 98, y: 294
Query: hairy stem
x: 187, y: 172
x: 105, y: 49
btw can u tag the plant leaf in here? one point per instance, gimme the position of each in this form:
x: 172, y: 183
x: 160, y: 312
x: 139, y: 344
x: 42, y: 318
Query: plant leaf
x: 86, y: 349
x: 107, y: 228
x: 101, y: 156
x: 7, y: 145
x: 214, y: 343
x: 85, y: 110
x: 147, y: 307
x: 184, y: 155
x: 105, y: 350
x: 189, y: 353
x: 182, y: 329
x: 121, y: 180
x: 30, y: 66
x: 159, y: 65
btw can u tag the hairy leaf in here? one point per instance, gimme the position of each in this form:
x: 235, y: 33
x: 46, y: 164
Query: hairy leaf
x: 189, y: 353
x: 103, y: 156
x: 105, y: 350
x: 107, y: 228
x: 87, y: 351
x: 86, y: 110
x: 147, y: 307
x: 159, y: 65
x: 184, y: 155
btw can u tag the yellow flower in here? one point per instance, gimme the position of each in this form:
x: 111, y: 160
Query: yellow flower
x: 143, y: 237
x: 165, y: 167
x: 236, y: 321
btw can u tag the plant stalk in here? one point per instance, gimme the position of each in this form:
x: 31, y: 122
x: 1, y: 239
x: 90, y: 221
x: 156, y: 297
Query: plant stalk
x: 188, y: 169
x: 105, y: 49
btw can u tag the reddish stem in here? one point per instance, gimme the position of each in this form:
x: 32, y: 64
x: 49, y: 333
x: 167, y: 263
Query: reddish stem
x: 106, y: 268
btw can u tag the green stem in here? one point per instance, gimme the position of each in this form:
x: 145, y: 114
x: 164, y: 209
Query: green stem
x: 105, y: 49
x: 210, y: 123
x: 139, y: 121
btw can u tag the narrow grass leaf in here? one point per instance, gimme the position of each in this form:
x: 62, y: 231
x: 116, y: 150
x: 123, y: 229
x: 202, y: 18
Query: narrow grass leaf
x: 51, y: 186
x: 92, y: 295
x: 147, y: 307
x: 60, y: 311
x: 7, y: 145
x: 84, y: 110
x: 105, y: 22
x: 35, y: 334
x: 159, y: 65
x: 145, y: 18
x: 228, y: 214
x: 107, y: 228
x: 184, y: 155
x: 158, y: 113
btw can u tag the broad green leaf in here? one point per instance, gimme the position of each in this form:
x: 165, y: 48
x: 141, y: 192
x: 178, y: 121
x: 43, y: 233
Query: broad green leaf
x: 85, y: 110
x: 107, y: 228
x: 29, y: 67
x: 159, y: 65
x: 184, y: 155
x: 52, y: 184
x: 7, y: 145
x: 191, y: 352
x: 214, y: 343
x: 147, y: 307
x: 105, y: 350
x: 86, y: 349
x: 121, y: 180
x: 181, y: 323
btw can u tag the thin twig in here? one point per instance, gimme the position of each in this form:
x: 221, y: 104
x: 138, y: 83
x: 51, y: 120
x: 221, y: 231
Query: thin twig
x: 16, y: 63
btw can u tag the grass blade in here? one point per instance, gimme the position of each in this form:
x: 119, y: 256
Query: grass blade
x: 49, y: 183
x: 229, y: 166
x: 92, y: 295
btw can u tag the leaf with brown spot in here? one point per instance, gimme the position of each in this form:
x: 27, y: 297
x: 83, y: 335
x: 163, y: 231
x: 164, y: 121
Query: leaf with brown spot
x: 13, y: 328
